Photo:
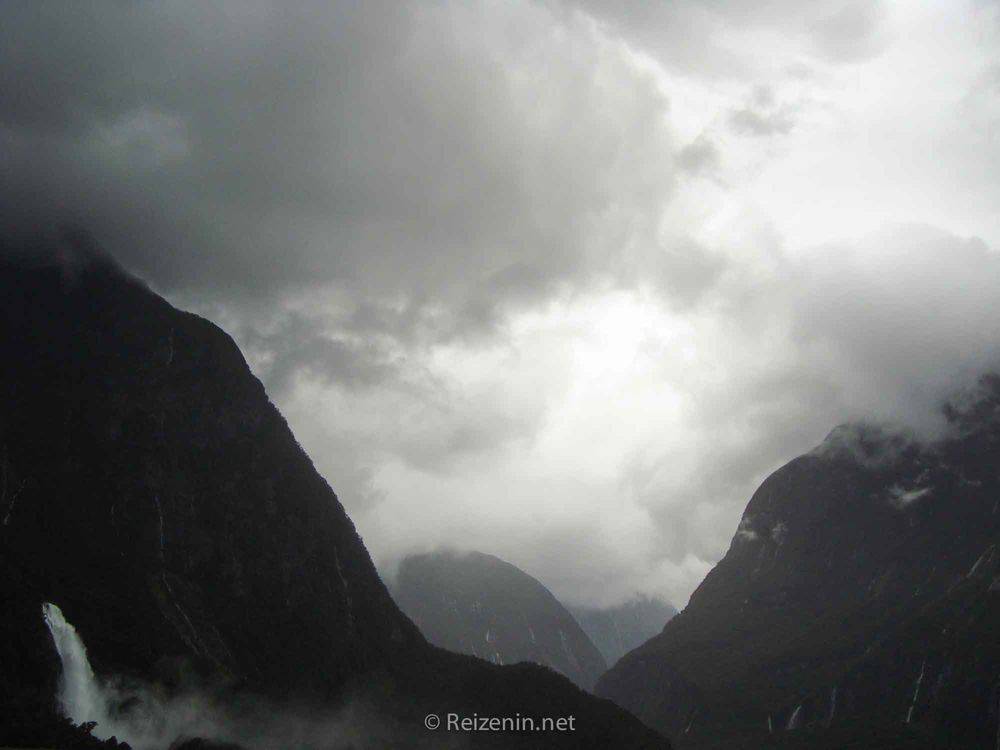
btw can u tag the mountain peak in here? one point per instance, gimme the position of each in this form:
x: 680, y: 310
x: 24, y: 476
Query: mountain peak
x: 151, y: 491
x: 478, y: 604
x: 848, y: 563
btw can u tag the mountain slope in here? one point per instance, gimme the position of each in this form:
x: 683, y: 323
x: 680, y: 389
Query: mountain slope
x: 617, y: 630
x: 478, y: 604
x: 151, y: 457
x: 847, y: 578
x: 150, y: 490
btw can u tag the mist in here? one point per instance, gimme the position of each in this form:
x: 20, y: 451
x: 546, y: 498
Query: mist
x: 152, y: 716
x: 557, y: 281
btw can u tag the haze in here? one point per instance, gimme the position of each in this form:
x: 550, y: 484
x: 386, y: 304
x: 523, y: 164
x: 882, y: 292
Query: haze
x: 556, y: 281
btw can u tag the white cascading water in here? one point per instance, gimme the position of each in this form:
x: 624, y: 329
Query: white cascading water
x: 80, y: 695
x: 151, y: 722
x: 916, y: 692
x: 796, y: 719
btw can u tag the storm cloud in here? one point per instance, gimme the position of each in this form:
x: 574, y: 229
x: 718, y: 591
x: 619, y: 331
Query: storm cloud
x: 559, y: 281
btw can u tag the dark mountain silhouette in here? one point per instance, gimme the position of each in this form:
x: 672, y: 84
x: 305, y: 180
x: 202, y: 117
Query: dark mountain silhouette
x: 150, y: 489
x: 478, y: 604
x: 858, y: 604
x: 617, y: 630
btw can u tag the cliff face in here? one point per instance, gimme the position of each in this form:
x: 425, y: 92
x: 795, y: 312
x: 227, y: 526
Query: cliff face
x: 150, y: 489
x: 147, y: 473
x: 853, y: 572
x: 478, y: 604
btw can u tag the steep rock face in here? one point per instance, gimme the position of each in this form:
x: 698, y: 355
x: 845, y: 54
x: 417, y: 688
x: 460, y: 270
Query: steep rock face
x: 477, y: 604
x: 150, y: 489
x: 617, y: 630
x: 848, y: 576
x: 147, y: 472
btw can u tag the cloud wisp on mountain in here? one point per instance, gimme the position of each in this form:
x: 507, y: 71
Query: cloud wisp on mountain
x: 553, y: 280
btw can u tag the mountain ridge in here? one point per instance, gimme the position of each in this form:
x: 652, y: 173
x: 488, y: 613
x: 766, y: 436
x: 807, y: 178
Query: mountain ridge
x: 840, y: 550
x: 152, y: 492
x: 478, y: 604
x: 617, y: 630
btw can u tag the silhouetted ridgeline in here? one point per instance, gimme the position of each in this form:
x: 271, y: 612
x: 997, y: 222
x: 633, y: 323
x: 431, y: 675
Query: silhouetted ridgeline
x: 478, y: 604
x: 858, y: 605
x: 619, y: 629
x: 150, y: 490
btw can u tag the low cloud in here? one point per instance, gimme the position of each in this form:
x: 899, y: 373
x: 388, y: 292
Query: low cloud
x: 751, y: 122
x: 559, y: 281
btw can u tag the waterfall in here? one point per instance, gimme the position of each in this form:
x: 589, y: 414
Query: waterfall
x: 833, y: 706
x: 694, y: 715
x: 142, y: 715
x: 770, y: 724
x: 82, y: 698
x: 80, y: 695
x: 916, y: 692
x: 795, y: 721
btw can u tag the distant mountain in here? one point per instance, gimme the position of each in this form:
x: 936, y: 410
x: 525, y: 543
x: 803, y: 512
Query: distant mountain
x: 478, y: 604
x: 858, y: 604
x: 151, y: 491
x: 617, y: 630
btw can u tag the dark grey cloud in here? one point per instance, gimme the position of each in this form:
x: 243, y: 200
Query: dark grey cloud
x: 698, y: 157
x: 421, y: 172
x: 504, y: 274
x: 298, y: 345
x: 417, y: 173
x: 763, y: 115
x: 253, y: 149
x: 751, y: 122
x: 905, y: 327
x: 851, y: 31
x: 686, y: 271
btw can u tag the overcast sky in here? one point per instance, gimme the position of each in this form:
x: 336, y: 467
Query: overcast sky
x: 557, y: 281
